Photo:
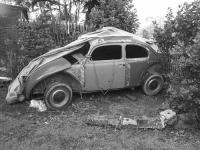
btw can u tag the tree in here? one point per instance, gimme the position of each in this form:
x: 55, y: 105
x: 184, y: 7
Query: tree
x: 182, y: 28
x: 117, y: 13
x: 47, y: 7
x: 165, y: 36
x: 187, y: 22
x: 145, y: 34
x: 182, y: 34
x: 88, y: 6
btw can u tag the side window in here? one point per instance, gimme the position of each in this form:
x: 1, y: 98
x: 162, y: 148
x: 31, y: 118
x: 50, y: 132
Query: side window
x: 108, y: 52
x: 135, y: 51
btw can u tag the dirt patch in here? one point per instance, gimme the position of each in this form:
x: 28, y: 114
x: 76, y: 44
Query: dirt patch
x: 22, y: 127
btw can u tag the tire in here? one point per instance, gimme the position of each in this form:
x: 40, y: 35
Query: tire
x: 197, y: 114
x: 153, y: 84
x: 58, y: 95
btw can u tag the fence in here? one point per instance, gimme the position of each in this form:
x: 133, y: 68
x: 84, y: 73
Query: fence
x: 62, y: 38
x: 172, y: 64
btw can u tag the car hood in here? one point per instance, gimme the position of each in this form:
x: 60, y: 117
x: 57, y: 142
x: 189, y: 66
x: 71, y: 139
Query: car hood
x: 16, y: 88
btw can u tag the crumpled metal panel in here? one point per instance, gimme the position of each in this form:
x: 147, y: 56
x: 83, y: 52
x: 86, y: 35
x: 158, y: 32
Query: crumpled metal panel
x: 78, y: 71
x: 127, y: 74
x: 112, y: 32
x: 16, y: 88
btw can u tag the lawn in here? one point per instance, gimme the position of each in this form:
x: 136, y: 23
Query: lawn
x: 22, y: 127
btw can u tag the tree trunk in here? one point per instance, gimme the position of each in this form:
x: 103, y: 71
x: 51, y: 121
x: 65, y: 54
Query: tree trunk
x: 66, y: 18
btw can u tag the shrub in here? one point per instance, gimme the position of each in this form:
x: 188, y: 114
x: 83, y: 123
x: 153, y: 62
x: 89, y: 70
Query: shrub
x: 184, y: 92
x: 35, y: 39
x: 181, y: 35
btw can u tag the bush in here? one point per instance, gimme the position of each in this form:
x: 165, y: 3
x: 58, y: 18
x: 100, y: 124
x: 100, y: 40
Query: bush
x: 180, y: 28
x: 181, y: 35
x: 35, y: 39
x: 184, y: 92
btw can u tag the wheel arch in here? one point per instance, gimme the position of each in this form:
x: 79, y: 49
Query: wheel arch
x: 58, y: 76
x: 153, y: 68
x: 50, y: 69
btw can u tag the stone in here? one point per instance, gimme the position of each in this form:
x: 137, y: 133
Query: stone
x: 39, y: 104
x: 158, y: 122
x: 166, y: 116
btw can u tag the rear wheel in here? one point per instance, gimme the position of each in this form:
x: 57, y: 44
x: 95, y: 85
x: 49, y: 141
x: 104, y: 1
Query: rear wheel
x: 197, y: 114
x: 58, y: 95
x: 153, y: 84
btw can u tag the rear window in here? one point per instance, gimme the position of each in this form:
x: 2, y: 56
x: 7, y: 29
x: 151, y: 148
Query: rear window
x: 135, y: 51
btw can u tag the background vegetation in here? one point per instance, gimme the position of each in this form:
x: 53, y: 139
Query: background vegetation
x: 180, y: 36
x: 58, y: 22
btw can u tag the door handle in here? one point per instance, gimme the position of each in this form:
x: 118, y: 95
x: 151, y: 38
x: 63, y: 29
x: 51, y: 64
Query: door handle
x: 122, y: 64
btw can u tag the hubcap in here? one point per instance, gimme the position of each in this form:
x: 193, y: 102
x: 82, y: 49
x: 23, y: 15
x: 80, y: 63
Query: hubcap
x: 59, y: 98
x: 153, y: 84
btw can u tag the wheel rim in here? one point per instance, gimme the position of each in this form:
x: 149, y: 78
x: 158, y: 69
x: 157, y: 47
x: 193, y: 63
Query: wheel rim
x: 197, y: 111
x: 59, y: 97
x: 154, y: 85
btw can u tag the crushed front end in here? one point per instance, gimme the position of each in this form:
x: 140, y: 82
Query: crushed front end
x: 16, y: 88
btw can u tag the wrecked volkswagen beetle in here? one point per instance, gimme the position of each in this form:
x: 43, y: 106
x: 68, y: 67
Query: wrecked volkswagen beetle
x: 106, y: 59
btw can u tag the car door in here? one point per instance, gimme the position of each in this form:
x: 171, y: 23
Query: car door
x: 105, y: 69
x: 137, y: 58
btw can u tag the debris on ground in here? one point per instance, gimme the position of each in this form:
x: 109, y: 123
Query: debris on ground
x: 5, y: 81
x: 186, y: 121
x: 129, y: 121
x: 103, y: 120
x: 158, y: 122
x: 167, y: 116
x: 38, y: 104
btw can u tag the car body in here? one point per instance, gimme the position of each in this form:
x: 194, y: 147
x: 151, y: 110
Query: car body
x: 106, y: 59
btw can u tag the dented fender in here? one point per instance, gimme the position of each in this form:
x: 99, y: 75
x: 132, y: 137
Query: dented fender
x: 45, y: 71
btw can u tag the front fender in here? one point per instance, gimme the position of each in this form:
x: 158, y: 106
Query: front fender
x: 43, y: 72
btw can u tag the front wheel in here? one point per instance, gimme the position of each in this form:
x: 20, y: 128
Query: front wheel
x: 58, y: 95
x: 153, y: 84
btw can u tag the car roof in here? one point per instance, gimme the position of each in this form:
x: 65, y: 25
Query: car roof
x: 103, y: 36
x: 112, y: 35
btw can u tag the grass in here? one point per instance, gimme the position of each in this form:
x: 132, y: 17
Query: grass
x: 22, y: 127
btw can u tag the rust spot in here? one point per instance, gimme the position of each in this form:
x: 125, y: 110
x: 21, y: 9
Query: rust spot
x: 127, y: 74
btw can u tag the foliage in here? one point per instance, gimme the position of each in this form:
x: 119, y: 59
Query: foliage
x: 117, y: 13
x: 51, y: 29
x: 181, y: 28
x: 181, y: 34
x: 184, y: 92
x: 35, y: 39
x: 165, y: 36
x: 145, y: 34
x: 187, y: 22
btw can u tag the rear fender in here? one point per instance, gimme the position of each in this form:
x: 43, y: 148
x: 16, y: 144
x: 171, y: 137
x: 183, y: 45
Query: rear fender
x: 151, y: 69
